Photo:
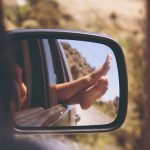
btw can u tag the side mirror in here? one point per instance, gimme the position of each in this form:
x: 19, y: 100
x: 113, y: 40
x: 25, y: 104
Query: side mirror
x: 68, y: 81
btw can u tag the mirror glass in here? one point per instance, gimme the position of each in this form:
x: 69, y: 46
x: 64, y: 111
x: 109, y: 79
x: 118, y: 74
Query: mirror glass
x: 63, y: 82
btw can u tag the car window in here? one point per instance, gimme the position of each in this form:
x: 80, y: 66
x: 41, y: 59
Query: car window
x: 30, y: 59
x: 43, y: 66
x: 58, y: 65
x: 57, y: 62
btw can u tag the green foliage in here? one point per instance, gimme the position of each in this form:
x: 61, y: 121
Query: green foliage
x: 17, y: 14
x: 48, y: 13
x: 10, y: 14
x: 30, y: 24
x: 108, y: 107
x: 23, y: 12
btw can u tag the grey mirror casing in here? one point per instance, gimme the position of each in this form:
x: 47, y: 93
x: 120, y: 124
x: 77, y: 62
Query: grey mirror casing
x: 81, y: 36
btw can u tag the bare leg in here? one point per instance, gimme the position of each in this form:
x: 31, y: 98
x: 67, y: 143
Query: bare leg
x: 66, y: 90
x: 86, y: 97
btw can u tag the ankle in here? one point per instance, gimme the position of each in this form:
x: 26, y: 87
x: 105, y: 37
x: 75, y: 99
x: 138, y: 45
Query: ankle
x: 89, y: 80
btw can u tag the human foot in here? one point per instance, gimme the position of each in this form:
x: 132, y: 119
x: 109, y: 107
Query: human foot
x: 99, y: 72
x: 93, y: 93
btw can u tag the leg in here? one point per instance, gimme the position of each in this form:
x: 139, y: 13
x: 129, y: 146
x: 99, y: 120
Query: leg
x: 86, y: 97
x: 69, y: 89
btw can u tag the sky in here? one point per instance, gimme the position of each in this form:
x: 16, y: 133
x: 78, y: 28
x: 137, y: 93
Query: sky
x: 95, y: 55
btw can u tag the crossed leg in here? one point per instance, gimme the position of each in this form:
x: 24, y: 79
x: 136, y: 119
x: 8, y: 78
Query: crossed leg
x: 82, y: 91
x: 86, y: 89
x: 86, y: 97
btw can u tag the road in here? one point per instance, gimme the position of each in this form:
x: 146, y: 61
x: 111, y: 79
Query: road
x: 92, y: 116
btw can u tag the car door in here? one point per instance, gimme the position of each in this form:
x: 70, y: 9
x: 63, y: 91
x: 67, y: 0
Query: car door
x: 44, y: 66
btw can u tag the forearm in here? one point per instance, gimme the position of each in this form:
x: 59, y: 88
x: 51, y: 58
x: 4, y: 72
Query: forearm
x: 23, y: 100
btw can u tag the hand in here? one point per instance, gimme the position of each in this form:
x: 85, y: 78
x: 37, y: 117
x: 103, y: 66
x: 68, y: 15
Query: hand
x: 18, y: 73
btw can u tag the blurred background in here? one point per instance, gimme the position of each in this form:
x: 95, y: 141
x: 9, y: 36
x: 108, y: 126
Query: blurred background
x: 124, y: 20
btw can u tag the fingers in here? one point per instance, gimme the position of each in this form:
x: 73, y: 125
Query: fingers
x: 18, y: 71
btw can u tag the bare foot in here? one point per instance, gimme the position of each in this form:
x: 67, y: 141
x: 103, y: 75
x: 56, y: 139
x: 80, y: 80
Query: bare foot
x: 99, y: 72
x: 71, y: 92
x: 91, y: 94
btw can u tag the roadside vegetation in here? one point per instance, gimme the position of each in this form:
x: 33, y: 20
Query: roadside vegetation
x: 51, y: 14
x: 79, y: 67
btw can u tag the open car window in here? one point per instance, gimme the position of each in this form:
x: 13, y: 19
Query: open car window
x: 29, y: 58
x: 40, y: 70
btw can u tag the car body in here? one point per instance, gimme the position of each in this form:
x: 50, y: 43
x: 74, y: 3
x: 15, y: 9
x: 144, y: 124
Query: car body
x: 44, y: 66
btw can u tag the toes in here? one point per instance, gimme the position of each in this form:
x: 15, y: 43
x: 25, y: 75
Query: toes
x: 108, y: 62
x: 109, y: 58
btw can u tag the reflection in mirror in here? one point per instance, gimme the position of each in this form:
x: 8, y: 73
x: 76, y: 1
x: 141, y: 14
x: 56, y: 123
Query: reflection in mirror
x: 65, y: 83
x: 98, y: 60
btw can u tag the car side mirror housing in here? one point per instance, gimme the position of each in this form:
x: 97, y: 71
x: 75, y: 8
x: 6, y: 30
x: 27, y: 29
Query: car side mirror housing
x: 69, y: 81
